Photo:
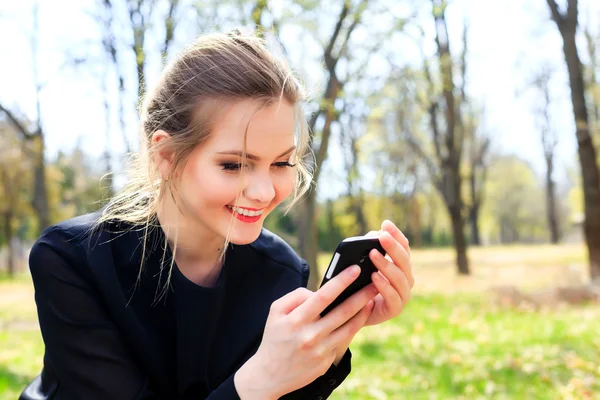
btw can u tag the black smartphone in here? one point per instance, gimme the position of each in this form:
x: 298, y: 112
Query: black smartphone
x: 352, y: 251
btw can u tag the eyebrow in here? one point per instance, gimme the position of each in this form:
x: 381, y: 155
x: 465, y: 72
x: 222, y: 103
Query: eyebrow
x: 253, y: 157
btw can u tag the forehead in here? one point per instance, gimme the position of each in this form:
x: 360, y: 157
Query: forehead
x: 268, y: 128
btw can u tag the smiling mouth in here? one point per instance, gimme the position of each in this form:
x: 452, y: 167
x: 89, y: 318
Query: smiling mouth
x: 245, y: 214
x: 248, y: 212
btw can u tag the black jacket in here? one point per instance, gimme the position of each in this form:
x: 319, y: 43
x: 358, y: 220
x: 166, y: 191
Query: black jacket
x: 108, y: 337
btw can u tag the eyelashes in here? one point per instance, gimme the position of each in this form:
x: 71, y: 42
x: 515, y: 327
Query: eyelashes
x: 230, y: 166
x: 237, y: 166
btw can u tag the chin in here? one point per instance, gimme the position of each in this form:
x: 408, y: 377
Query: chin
x: 240, y: 238
x: 242, y: 233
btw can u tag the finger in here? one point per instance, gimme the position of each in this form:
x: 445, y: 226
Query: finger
x: 401, y: 286
x: 319, y: 300
x: 396, y: 233
x: 289, y: 302
x: 398, y: 255
x: 346, y: 332
x: 348, y: 309
x: 389, y: 271
x: 391, y: 297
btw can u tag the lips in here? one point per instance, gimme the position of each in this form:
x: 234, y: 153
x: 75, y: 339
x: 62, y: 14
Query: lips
x: 248, y: 215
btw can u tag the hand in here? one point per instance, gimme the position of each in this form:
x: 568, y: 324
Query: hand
x: 298, y: 345
x: 394, y: 280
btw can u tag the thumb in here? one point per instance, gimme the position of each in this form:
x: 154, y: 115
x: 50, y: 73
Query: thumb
x: 291, y: 301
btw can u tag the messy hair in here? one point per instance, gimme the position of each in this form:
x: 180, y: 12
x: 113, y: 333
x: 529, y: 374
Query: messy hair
x: 216, y: 68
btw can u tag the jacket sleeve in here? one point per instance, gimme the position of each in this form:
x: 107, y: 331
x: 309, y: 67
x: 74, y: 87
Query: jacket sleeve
x: 84, y: 350
x: 86, y: 357
x: 322, y: 387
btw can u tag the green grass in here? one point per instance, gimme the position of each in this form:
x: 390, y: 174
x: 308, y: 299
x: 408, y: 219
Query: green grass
x: 448, y: 344
x: 462, y: 347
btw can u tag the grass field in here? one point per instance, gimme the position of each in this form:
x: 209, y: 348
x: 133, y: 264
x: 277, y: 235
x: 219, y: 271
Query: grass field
x: 452, y: 342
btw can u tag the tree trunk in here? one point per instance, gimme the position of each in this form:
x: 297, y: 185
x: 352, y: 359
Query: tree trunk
x: 40, y: 193
x: 360, y: 215
x: 474, y: 222
x: 474, y: 210
x: 307, y: 237
x: 587, y: 154
x: 551, y: 203
x: 567, y: 25
x: 453, y: 138
x: 308, y: 242
x: 330, y: 215
x: 307, y: 227
x: 8, y: 217
x: 460, y: 242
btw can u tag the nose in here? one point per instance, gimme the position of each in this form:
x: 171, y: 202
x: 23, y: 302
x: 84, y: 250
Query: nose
x: 260, y: 188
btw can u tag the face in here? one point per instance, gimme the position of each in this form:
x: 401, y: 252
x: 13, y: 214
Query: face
x: 214, y: 176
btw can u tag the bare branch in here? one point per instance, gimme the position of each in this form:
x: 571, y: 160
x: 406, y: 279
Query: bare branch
x: 556, y: 15
x: 111, y: 49
x: 417, y: 148
x: 330, y: 61
x: 17, y: 124
x: 572, y: 11
x: 463, y: 63
x: 357, y: 15
x: 432, y: 109
x: 169, y: 28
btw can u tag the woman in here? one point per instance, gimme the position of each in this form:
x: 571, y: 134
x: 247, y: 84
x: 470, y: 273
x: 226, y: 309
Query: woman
x: 174, y: 290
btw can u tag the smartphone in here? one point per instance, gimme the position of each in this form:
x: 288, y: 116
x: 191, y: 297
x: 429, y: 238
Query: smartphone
x: 352, y: 251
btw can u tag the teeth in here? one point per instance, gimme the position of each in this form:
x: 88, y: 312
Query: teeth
x: 245, y: 212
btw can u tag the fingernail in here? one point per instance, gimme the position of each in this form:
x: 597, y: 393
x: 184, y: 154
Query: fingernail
x: 353, y: 271
x: 370, y: 304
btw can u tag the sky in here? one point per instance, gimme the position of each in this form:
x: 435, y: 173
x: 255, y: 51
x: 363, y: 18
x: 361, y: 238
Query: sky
x: 509, y: 40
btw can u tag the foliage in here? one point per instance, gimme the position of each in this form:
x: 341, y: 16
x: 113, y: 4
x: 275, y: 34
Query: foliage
x: 73, y: 186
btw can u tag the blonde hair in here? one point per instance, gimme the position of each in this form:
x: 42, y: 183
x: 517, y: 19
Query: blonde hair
x: 216, y: 68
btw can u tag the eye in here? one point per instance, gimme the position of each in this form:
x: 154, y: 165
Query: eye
x: 231, y: 166
x: 284, y: 164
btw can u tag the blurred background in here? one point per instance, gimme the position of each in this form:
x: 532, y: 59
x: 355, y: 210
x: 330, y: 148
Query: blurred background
x: 473, y: 125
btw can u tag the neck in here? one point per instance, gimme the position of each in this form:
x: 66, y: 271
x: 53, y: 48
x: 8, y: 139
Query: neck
x: 197, y: 250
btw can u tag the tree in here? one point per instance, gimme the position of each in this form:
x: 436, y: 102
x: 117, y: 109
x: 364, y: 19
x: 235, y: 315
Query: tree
x: 592, y: 84
x: 549, y: 143
x: 140, y: 12
x: 13, y: 178
x: 477, y: 145
x: 566, y: 21
x: 351, y: 129
x: 447, y: 136
x: 34, y: 133
x: 334, y: 50
x: 110, y: 46
x: 170, y: 24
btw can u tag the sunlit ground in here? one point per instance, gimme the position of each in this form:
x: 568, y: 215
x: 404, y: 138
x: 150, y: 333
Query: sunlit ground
x: 452, y: 342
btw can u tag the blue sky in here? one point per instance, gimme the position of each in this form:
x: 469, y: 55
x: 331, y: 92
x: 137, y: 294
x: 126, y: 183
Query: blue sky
x: 508, y: 40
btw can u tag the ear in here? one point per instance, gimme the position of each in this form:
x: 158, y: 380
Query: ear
x: 163, y: 156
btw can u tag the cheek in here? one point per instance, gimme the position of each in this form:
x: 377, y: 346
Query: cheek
x: 284, y: 185
x: 209, y: 186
